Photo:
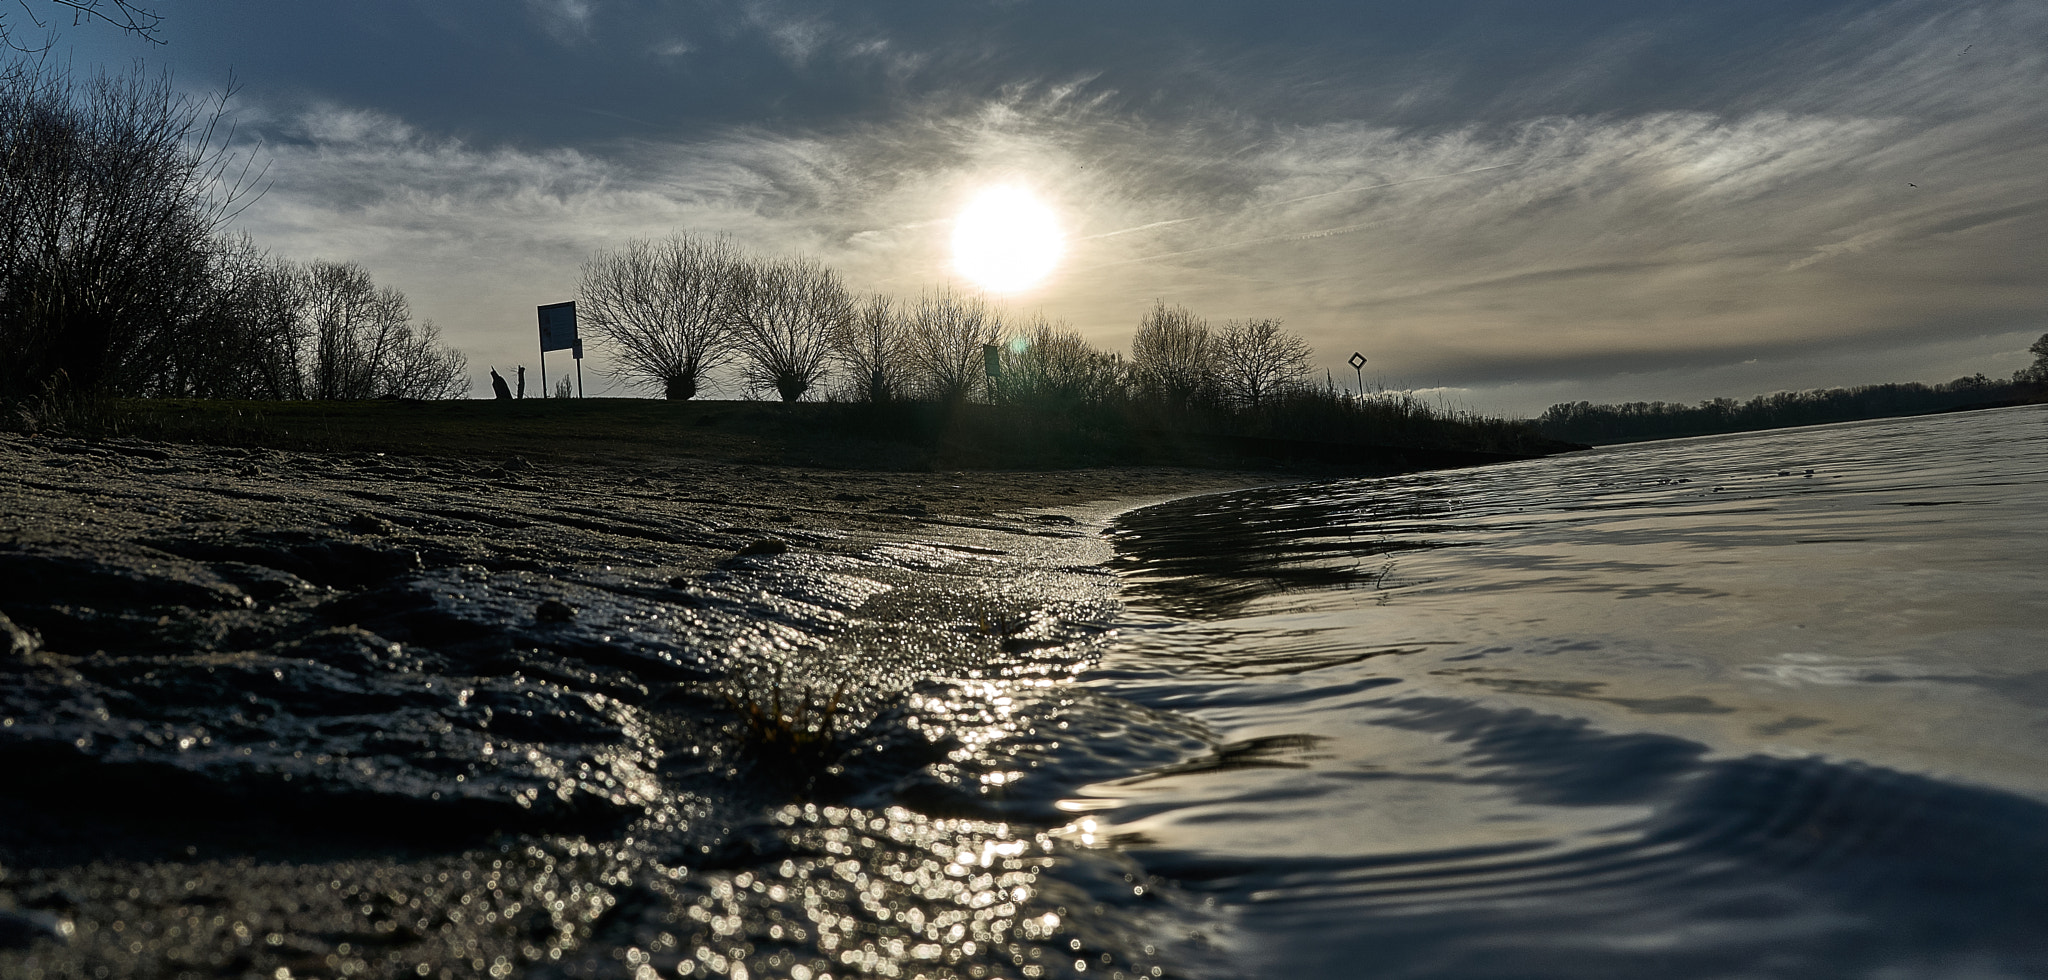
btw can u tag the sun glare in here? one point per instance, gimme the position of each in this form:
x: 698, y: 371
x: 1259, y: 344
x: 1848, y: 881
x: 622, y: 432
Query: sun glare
x: 1006, y: 240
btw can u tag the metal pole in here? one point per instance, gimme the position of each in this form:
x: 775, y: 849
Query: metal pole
x: 579, y: 377
x: 544, y: 392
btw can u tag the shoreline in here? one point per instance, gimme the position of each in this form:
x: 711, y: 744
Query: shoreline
x: 236, y: 676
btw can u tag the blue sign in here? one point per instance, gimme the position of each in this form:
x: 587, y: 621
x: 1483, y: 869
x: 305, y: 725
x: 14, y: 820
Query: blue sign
x: 558, y: 327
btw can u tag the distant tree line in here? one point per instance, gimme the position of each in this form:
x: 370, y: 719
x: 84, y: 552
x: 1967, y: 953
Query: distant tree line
x: 1590, y: 423
x: 671, y: 311
x: 116, y: 278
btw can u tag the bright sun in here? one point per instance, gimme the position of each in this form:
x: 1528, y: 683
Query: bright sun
x: 1006, y: 240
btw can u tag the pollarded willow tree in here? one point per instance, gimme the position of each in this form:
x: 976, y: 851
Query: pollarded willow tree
x: 948, y: 336
x: 1255, y: 360
x: 784, y: 319
x: 666, y: 309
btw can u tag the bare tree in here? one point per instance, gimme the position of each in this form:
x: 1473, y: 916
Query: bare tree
x: 247, y: 336
x: 665, y: 309
x: 948, y: 334
x: 786, y: 317
x: 1173, y: 356
x: 365, y: 344
x: 352, y: 325
x: 113, y: 281
x: 109, y: 195
x: 874, y: 348
x: 421, y: 366
x: 1255, y: 360
x: 1054, y: 364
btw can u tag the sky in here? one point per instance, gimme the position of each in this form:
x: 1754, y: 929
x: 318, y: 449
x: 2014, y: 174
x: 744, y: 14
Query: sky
x: 1502, y: 204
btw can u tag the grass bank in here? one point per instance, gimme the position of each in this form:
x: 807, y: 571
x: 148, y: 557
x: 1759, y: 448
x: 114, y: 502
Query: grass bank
x: 900, y: 437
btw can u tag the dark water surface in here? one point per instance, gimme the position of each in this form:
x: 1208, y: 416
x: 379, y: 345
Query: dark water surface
x: 1763, y: 705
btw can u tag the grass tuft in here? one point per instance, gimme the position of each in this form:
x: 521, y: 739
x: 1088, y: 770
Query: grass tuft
x: 793, y: 733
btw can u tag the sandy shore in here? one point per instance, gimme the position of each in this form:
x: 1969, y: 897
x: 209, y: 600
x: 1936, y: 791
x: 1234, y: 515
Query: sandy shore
x: 284, y: 713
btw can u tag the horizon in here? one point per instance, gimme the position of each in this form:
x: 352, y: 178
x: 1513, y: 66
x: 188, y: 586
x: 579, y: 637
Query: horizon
x: 1504, y: 206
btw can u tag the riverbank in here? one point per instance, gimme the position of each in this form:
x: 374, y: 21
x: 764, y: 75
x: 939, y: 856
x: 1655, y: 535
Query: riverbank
x: 395, y: 713
x: 897, y: 437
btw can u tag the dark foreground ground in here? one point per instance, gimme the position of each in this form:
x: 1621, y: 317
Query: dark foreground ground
x: 444, y: 708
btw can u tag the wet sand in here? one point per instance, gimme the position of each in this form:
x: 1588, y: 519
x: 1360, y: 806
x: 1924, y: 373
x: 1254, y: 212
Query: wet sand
x: 362, y: 714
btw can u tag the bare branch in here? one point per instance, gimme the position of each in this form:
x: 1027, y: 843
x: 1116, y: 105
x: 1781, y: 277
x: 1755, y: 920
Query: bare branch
x: 128, y: 15
x: 1256, y: 360
x: 1172, y: 356
x: 947, y: 335
x: 874, y: 347
x: 786, y: 319
x: 665, y: 309
x: 131, y: 17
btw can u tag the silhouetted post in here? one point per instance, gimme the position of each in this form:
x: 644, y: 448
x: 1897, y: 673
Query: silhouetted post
x: 1358, y: 365
x: 499, y: 386
x: 522, y: 381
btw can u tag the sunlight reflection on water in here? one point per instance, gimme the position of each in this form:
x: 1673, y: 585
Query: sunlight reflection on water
x: 1681, y: 708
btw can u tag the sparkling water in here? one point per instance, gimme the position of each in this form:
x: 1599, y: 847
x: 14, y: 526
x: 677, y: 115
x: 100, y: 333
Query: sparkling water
x: 1769, y: 704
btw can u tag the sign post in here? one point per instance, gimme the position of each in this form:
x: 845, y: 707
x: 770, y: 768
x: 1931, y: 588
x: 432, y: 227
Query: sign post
x: 558, y: 332
x: 1358, y: 365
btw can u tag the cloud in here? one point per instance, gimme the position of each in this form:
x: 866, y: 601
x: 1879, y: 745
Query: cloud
x: 1775, y: 223
x: 568, y: 21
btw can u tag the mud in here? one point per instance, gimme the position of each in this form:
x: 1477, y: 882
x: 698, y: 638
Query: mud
x: 315, y: 715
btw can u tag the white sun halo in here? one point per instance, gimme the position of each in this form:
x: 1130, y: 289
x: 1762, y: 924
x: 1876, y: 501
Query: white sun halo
x: 1006, y: 240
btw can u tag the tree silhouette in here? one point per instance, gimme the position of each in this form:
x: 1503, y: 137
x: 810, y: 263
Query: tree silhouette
x: 1052, y: 365
x: 785, y: 316
x: 948, y: 333
x: 1173, y: 356
x: 1256, y: 360
x: 366, y: 345
x: 110, y: 193
x: 874, y: 347
x: 2037, y: 371
x: 665, y: 309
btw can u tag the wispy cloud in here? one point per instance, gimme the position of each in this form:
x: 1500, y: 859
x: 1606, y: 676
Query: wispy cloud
x: 566, y: 20
x: 1781, y: 223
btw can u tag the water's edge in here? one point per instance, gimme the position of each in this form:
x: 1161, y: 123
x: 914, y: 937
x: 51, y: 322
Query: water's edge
x: 1763, y: 705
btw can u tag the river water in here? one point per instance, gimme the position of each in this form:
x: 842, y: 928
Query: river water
x: 1760, y: 705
